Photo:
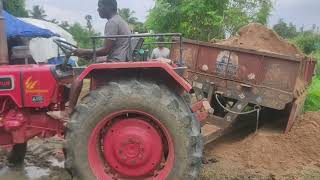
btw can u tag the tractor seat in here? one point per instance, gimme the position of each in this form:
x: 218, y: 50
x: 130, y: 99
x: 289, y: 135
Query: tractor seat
x: 21, y: 55
x: 136, y: 45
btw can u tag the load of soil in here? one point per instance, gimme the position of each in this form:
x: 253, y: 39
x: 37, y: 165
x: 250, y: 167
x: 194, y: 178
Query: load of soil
x: 258, y: 37
x: 274, y: 153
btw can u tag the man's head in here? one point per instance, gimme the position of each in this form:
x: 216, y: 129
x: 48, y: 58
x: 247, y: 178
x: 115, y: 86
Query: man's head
x: 160, y: 40
x: 107, y: 8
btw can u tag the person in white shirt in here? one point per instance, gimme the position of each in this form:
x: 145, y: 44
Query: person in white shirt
x: 160, y: 52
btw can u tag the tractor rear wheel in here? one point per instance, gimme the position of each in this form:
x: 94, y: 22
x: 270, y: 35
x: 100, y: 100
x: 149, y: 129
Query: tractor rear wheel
x: 133, y: 129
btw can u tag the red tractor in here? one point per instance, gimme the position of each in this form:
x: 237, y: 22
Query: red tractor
x: 134, y: 123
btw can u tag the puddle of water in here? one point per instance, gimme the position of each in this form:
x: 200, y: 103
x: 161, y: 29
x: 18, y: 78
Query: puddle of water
x: 23, y: 173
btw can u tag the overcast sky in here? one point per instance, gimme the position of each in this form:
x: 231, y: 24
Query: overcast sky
x: 299, y: 12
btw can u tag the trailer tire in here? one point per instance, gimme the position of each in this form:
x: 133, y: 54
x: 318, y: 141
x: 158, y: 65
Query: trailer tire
x: 157, y: 100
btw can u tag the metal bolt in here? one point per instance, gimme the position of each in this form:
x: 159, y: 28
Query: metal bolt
x: 228, y: 118
x: 239, y: 107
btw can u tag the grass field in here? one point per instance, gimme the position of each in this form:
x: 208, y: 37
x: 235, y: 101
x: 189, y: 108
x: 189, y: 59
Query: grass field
x: 313, y: 99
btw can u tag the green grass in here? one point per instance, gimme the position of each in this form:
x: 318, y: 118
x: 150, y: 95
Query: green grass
x: 313, y: 100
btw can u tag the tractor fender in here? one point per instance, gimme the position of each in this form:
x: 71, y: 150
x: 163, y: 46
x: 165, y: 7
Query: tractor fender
x: 154, y: 69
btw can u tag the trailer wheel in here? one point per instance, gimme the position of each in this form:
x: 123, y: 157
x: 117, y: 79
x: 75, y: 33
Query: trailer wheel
x: 133, y: 129
x: 17, y: 154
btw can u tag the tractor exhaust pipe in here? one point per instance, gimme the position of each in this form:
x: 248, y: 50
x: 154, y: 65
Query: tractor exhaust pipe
x: 4, y: 58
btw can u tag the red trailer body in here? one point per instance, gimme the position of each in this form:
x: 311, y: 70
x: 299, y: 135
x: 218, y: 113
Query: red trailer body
x: 252, y: 77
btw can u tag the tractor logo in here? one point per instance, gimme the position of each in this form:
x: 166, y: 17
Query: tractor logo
x: 31, y: 86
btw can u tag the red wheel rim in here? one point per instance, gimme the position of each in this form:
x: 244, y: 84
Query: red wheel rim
x: 130, y: 144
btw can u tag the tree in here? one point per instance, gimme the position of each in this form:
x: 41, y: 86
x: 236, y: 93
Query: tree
x: 89, y: 22
x: 285, y: 30
x: 140, y: 27
x: 264, y: 12
x: 38, y: 12
x: 55, y: 21
x: 206, y: 19
x: 133, y: 22
x: 127, y: 15
x: 308, y: 42
x: 65, y: 25
x: 83, y: 37
x: 15, y: 7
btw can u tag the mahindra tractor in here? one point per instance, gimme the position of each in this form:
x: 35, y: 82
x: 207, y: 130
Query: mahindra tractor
x: 134, y: 124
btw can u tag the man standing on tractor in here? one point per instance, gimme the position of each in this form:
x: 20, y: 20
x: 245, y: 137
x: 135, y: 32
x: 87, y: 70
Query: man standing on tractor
x: 115, y: 49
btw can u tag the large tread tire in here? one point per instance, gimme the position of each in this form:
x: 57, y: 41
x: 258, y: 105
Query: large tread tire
x: 156, y: 99
x: 17, y: 154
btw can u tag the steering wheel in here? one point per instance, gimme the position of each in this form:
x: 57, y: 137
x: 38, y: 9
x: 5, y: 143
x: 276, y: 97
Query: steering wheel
x: 67, y: 48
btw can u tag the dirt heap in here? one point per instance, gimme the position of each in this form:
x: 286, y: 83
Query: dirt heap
x: 258, y: 37
x: 276, y: 153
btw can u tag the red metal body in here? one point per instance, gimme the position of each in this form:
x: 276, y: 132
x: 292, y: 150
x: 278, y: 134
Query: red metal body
x: 273, y: 79
x: 27, y: 93
x: 244, y: 77
x: 142, y: 67
x: 132, y: 147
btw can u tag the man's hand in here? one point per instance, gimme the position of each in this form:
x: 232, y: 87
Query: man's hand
x: 85, y: 53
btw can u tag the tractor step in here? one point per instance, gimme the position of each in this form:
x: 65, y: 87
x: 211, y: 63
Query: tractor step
x: 214, y: 126
x: 210, y: 132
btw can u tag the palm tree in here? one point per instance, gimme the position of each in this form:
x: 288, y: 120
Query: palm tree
x: 127, y: 15
x: 38, y: 12
x: 89, y: 24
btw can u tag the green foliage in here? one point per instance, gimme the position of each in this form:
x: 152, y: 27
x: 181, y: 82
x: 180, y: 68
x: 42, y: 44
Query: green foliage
x: 89, y: 21
x: 15, y: 7
x: 285, y: 30
x: 264, y: 12
x: 127, y: 15
x: 140, y: 27
x: 133, y: 22
x: 38, y: 12
x: 206, y: 19
x: 82, y: 36
x: 313, y: 100
x: 316, y: 55
x: 308, y: 42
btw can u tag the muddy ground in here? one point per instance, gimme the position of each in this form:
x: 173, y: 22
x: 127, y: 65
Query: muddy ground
x: 240, y: 155
x: 267, y: 154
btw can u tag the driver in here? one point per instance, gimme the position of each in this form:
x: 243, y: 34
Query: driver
x: 116, y: 49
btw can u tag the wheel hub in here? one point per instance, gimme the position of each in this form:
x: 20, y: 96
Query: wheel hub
x: 133, y: 147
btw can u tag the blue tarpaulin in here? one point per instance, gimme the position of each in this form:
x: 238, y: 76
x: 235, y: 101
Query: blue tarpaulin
x: 17, y: 28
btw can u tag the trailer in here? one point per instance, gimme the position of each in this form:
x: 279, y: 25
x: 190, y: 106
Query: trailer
x: 237, y: 81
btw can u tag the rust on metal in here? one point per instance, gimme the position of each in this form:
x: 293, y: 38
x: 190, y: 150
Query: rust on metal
x: 275, y: 80
x: 243, y: 77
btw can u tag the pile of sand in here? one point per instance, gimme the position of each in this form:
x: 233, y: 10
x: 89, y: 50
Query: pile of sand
x: 258, y: 37
x: 277, y: 153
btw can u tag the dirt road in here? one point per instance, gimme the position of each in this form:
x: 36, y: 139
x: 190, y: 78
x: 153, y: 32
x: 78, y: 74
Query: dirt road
x: 240, y: 155
x: 267, y: 154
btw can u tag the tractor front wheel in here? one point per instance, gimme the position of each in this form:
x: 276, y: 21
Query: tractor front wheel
x: 133, y: 129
